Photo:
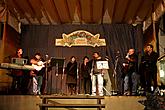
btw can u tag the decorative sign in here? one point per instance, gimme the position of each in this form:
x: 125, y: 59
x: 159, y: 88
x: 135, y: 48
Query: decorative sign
x: 80, y: 38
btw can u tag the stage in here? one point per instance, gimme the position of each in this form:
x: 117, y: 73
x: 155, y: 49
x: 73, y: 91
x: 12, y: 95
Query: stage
x: 32, y: 102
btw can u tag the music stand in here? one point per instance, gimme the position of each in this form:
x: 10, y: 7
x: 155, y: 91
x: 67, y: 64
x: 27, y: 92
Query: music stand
x: 103, y: 65
x: 58, y: 63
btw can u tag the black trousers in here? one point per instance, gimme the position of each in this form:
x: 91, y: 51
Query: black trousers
x: 147, y: 78
x: 87, y: 85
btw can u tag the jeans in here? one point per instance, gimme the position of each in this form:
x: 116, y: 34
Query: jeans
x: 37, y: 83
x: 130, y: 83
x: 99, y: 79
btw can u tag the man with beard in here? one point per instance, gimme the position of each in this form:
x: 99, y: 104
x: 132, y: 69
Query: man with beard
x: 149, y: 69
x: 130, y: 75
x: 96, y: 75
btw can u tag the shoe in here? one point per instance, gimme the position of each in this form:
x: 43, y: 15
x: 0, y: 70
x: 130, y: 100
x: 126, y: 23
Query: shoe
x: 127, y: 93
x: 101, y: 94
x: 38, y: 93
x: 134, y: 94
x: 93, y: 94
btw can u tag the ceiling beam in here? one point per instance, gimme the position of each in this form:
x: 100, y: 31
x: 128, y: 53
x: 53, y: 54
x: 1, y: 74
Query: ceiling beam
x: 19, y: 9
x: 121, y: 6
x: 132, y: 9
x: 80, y: 10
x: 126, y: 10
x: 148, y: 14
x: 158, y: 5
x: 24, y: 5
x: 35, y: 13
x: 144, y: 9
x: 51, y: 11
x: 13, y: 14
x: 55, y: 9
x: 136, y: 12
x: 11, y: 11
x: 152, y: 9
x: 113, y: 10
x: 83, y: 11
x: 108, y: 10
x: 103, y: 11
x: 86, y: 11
x: 47, y: 17
x: 73, y: 6
x: 45, y: 13
x: 62, y: 10
x: 3, y: 8
x: 91, y: 9
x: 67, y: 8
x: 97, y: 11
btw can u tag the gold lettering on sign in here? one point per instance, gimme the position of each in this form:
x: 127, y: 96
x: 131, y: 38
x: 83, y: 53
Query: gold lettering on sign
x: 80, y: 38
x: 81, y: 41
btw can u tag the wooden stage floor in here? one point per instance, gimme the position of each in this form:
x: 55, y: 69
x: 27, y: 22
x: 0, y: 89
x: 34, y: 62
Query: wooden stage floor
x: 30, y: 102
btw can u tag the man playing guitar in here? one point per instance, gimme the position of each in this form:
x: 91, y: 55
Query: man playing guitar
x: 130, y: 73
x: 38, y: 64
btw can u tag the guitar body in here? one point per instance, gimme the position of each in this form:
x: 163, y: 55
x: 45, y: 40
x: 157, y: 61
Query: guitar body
x: 39, y: 66
x: 125, y: 69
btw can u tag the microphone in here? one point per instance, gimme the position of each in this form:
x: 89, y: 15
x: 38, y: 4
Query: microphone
x: 107, y: 58
x: 47, y: 60
x: 118, y: 52
x: 127, y: 56
x: 46, y: 55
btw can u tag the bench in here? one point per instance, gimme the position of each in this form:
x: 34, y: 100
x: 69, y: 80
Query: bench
x: 47, y: 103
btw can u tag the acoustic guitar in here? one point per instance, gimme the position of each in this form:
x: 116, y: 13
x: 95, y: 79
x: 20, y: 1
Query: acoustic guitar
x: 40, y: 65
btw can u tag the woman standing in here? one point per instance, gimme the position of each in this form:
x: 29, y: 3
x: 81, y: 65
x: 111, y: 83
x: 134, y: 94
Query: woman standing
x: 71, y: 71
x: 85, y: 76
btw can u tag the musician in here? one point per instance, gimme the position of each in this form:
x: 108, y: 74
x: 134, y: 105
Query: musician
x: 71, y: 79
x: 17, y: 74
x: 96, y: 75
x: 85, y: 76
x: 130, y: 74
x: 37, y: 63
x: 149, y: 68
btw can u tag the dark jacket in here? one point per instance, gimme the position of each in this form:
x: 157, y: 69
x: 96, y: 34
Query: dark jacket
x: 71, y: 71
x: 149, y: 62
x: 85, y: 70
x: 93, y: 66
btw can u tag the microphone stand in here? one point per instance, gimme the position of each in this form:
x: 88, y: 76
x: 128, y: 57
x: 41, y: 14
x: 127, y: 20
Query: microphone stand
x: 114, y: 75
x: 103, y: 78
x: 62, y: 78
x: 46, y: 75
x: 56, y: 72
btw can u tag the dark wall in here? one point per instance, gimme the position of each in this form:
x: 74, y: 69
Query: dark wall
x: 36, y: 38
x: 119, y: 38
x: 42, y: 39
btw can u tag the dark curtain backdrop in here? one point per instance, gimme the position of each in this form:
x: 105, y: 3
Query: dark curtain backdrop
x: 119, y: 38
